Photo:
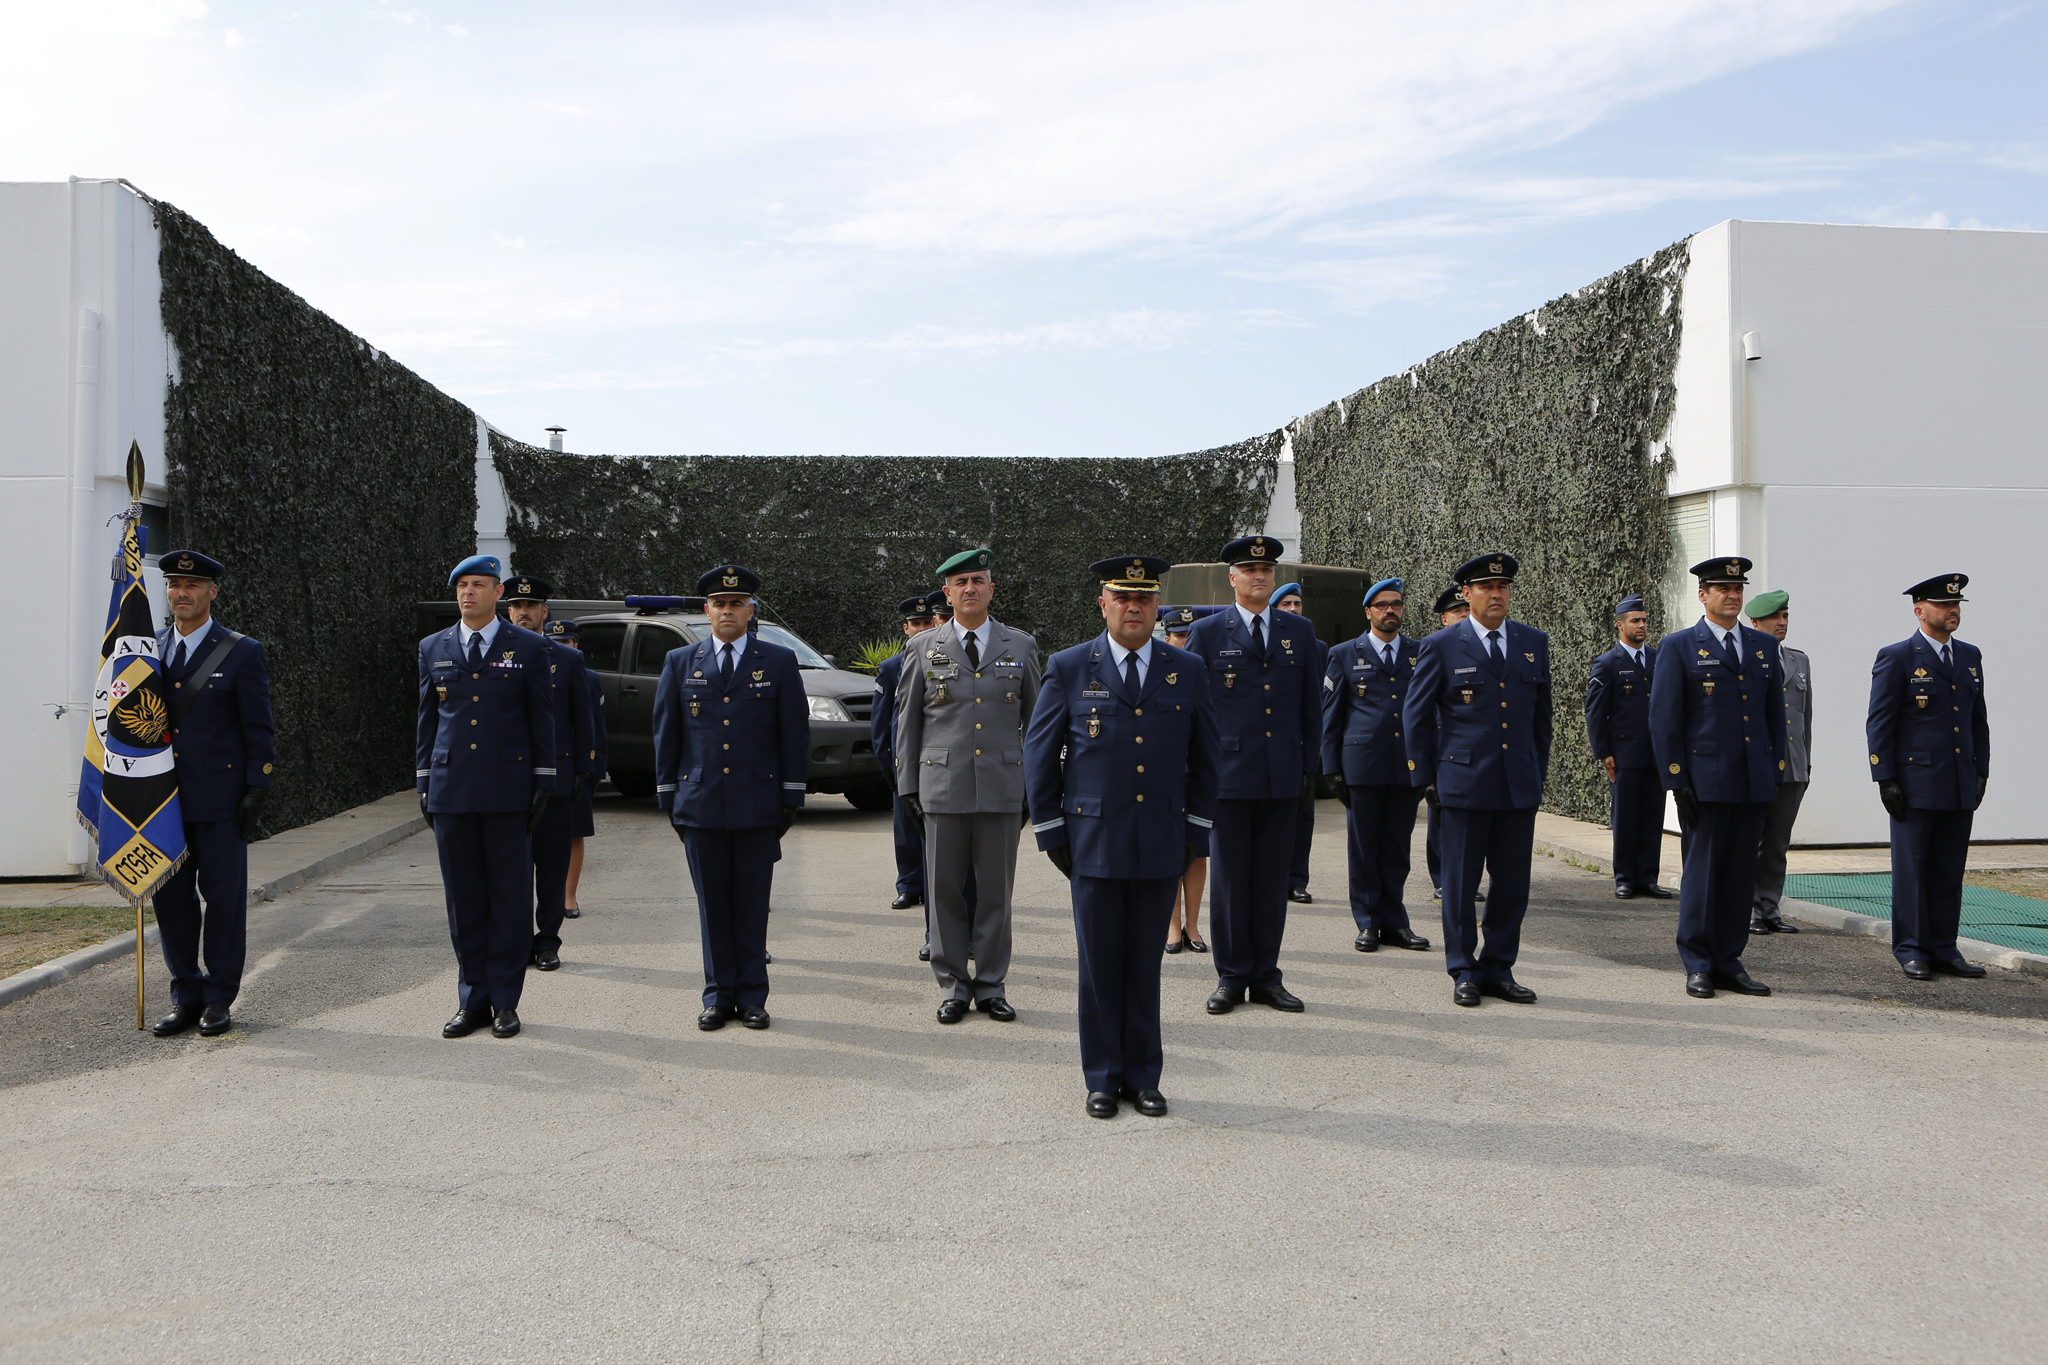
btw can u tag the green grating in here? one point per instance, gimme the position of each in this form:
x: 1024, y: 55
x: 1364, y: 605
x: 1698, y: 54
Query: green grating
x: 1993, y: 916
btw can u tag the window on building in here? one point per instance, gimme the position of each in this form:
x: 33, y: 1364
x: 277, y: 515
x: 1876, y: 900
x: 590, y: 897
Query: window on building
x: 1691, y: 541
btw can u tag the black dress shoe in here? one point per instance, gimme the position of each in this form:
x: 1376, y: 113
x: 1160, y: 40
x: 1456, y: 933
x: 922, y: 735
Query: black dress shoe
x: 1465, y: 993
x: 1101, y: 1105
x: 905, y: 902
x: 768, y: 958
x: 465, y: 1023
x: 1699, y: 985
x: 1779, y: 926
x: 753, y: 1016
x: 1150, y: 1103
x: 1437, y: 894
x: 998, y: 1009
x: 1300, y: 896
x: 714, y: 1017
x: 547, y: 959
x: 1367, y: 942
x: 1956, y: 968
x: 1479, y: 898
x: 1653, y: 892
x: 1196, y: 945
x: 1278, y: 997
x: 1758, y: 926
x: 214, y: 1021
x: 1917, y: 969
x: 952, y: 1011
x: 1742, y: 983
x: 571, y: 912
x: 1178, y: 945
x: 1512, y: 991
x: 1405, y: 938
x: 924, y: 954
x: 504, y: 1023
x: 1624, y: 892
x: 1223, y: 999
x: 178, y: 1020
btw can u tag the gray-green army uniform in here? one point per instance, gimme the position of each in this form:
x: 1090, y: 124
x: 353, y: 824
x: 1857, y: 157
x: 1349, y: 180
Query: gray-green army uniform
x: 960, y: 752
x: 1770, y: 863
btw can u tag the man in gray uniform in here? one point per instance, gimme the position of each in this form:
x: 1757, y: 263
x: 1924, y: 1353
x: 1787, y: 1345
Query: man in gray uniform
x: 1771, y: 613
x: 962, y: 703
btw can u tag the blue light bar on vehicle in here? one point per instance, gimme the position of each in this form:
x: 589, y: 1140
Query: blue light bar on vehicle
x: 654, y: 606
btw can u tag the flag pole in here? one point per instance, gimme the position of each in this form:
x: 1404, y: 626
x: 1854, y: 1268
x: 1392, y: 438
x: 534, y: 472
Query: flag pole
x: 135, y: 502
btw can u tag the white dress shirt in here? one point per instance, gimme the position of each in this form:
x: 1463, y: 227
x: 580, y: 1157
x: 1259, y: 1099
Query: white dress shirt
x: 739, y: 650
x: 463, y: 635
x: 981, y: 633
x: 1265, y: 631
x: 191, y: 642
x: 1120, y: 654
x: 1932, y: 643
x: 1485, y: 645
x: 1727, y: 639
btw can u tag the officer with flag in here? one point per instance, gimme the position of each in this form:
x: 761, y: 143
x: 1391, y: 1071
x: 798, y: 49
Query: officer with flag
x: 526, y: 603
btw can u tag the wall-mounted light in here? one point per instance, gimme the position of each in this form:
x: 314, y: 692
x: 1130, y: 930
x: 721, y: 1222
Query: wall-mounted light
x: 1752, y: 346
x: 555, y: 435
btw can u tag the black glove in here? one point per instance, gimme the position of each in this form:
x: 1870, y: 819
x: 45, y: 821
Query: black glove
x: 1187, y: 858
x: 680, y: 836
x: 252, y: 810
x: 1308, y: 787
x: 1063, y: 859
x: 576, y: 787
x: 1982, y: 783
x: 788, y: 819
x: 1429, y: 795
x: 540, y: 806
x: 1893, y: 793
x: 1688, y: 806
x: 1344, y: 794
x: 426, y: 814
x: 916, y: 809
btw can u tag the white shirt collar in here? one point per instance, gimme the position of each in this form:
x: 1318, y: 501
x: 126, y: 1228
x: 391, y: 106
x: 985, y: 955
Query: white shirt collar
x: 1634, y: 652
x: 1120, y: 654
x: 1936, y: 645
x: 191, y: 641
x: 489, y: 633
x: 980, y: 633
x: 1480, y: 631
x: 1246, y: 617
x: 1380, y: 647
x: 739, y: 648
x: 1723, y: 636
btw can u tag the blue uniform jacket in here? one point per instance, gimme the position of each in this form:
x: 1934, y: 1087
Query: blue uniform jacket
x: 1927, y: 727
x: 1717, y: 730
x: 600, y: 732
x: 486, y: 737
x: 227, y: 742
x: 575, y: 731
x: 1618, y: 708
x: 882, y: 719
x: 1481, y: 737
x: 1268, y: 711
x: 730, y: 760
x: 1138, y: 786
x: 1362, y: 711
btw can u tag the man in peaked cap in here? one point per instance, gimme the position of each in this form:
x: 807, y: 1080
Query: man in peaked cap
x: 1618, y: 729
x: 1121, y: 764
x: 563, y: 634
x: 1262, y: 677
x: 1930, y: 755
x: 1450, y: 609
x: 1771, y: 612
x: 732, y: 733
x: 486, y: 770
x: 1478, y: 717
x: 1363, y: 684
x: 1289, y: 598
x: 916, y: 616
x: 223, y: 739
x: 1717, y: 728
x: 963, y: 700
x: 526, y: 603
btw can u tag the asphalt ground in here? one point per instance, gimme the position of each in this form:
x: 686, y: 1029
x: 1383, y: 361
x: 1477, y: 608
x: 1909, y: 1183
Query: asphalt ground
x: 1851, y: 1169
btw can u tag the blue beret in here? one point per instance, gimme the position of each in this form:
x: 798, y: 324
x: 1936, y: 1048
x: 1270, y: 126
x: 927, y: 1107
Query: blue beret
x: 1286, y: 588
x: 1633, y: 602
x: 486, y: 565
x: 1385, y: 583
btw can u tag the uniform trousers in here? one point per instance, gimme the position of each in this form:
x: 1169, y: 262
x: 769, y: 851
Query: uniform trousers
x: 1717, y: 882
x: 216, y: 869
x: 487, y: 879
x: 1120, y: 930
x: 1381, y: 826
x: 1304, y: 837
x: 1497, y: 844
x: 1928, y: 852
x: 909, y: 853
x: 1248, y: 848
x: 1433, y: 849
x: 552, y: 838
x: 1635, y: 812
x: 1770, y: 856
x: 981, y: 848
x: 732, y: 870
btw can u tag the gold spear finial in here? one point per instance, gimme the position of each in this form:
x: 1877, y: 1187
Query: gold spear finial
x: 135, y: 471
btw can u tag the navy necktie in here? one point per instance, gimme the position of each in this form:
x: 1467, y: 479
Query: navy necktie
x: 178, y: 658
x: 1258, y: 637
x: 476, y: 651
x: 1493, y: 646
x: 725, y: 668
x: 1946, y: 661
x: 1731, y: 652
x: 1387, y: 652
x: 1131, y: 674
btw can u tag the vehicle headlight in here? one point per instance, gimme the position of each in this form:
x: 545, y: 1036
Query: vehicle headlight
x: 829, y: 708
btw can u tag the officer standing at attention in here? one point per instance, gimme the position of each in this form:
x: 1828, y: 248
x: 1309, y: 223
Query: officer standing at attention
x: 1717, y: 727
x: 732, y: 730
x: 485, y: 770
x: 1618, y: 728
x: 1262, y: 677
x: 1450, y: 609
x: 1771, y: 612
x: 917, y: 619
x: 1482, y: 683
x: 1122, y: 817
x: 1363, y: 684
x: 223, y: 740
x: 964, y: 697
x: 1930, y: 755
x: 562, y: 634
x: 526, y: 603
x: 1289, y: 599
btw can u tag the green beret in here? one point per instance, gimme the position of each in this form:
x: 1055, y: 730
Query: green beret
x: 1767, y: 604
x: 965, y: 562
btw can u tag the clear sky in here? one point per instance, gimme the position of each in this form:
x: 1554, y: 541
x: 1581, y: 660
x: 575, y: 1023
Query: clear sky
x: 1097, y: 228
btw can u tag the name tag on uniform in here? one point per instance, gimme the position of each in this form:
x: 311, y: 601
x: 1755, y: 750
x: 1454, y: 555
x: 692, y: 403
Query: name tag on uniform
x: 1086, y: 693
x: 1228, y: 653
x: 1464, y: 670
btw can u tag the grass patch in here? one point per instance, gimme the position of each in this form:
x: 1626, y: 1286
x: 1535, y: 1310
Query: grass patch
x: 2031, y: 881
x: 31, y: 935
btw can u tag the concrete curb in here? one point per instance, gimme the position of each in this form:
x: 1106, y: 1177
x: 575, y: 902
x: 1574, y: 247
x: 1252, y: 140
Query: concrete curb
x: 379, y: 835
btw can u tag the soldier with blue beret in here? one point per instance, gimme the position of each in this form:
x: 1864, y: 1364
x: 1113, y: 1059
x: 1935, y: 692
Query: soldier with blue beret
x: 1450, y: 609
x: 915, y: 613
x: 562, y: 633
x: 486, y: 769
x: 1478, y: 717
x: 223, y: 740
x: 732, y: 733
x: 1289, y: 598
x: 1618, y: 729
x: 1930, y: 755
x: 1363, y: 684
x: 554, y: 838
x: 1262, y: 677
x: 1717, y: 728
x: 1120, y: 762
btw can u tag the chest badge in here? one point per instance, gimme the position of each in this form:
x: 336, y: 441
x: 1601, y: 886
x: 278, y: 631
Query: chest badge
x: 1530, y: 657
x: 1230, y: 678
x: 1094, y: 727
x: 696, y: 708
x: 1921, y: 701
x: 1465, y: 695
x: 758, y: 672
x: 508, y: 656
x: 1287, y: 644
x: 1919, y: 672
x: 1173, y: 678
x: 442, y: 688
x: 1707, y: 685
